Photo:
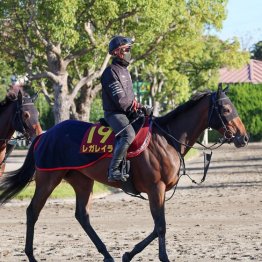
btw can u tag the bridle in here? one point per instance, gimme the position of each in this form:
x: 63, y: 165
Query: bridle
x: 214, y: 111
x: 23, y: 125
x: 228, y: 134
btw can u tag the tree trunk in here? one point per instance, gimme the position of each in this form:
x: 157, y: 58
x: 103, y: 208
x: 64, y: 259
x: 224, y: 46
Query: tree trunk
x: 86, y: 109
x: 156, y: 106
x: 62, y: 104
x: 84, y: 102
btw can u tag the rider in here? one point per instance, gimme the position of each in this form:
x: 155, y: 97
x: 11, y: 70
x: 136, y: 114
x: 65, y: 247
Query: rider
x: 119, y: 102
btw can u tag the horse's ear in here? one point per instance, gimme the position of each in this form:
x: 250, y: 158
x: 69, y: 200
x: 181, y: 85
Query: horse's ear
x: 226, y: 89
x: 219, y: 89
x: 20, y: 96
x: 20, y: 93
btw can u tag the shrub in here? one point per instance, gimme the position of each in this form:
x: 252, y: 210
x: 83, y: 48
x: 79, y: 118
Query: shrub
x: 247, y: 99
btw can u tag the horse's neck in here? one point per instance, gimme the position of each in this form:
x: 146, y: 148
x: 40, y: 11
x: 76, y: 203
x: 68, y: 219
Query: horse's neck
x: 6, y: 128
x: 189, y: 126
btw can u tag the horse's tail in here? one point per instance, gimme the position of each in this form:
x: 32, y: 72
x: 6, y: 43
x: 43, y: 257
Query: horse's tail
x: 13, y: 182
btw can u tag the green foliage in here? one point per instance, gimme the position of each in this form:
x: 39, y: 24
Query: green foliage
x: 247, y: 99
x: 173, y: 54
x: 256, y: 51
x: 248, y: 102
x: 46, y: 116
x: 59, y: 20
x: 5, y: 72
x: 96, y: 110
x: 188, y: 59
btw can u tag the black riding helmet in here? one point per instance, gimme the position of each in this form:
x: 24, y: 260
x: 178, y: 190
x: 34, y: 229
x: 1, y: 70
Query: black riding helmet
x: 118, y: 41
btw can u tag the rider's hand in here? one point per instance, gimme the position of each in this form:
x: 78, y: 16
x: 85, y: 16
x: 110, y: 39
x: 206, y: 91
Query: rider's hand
x: 135, y: 106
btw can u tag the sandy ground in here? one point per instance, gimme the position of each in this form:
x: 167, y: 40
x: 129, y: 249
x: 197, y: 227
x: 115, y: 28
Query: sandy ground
x: 221, y: 220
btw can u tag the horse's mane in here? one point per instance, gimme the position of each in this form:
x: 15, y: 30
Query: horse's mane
x: 183, y: 108
x: 10, y: 97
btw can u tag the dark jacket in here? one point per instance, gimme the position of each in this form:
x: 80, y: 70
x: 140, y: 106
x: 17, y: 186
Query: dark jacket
x: 117, y: 88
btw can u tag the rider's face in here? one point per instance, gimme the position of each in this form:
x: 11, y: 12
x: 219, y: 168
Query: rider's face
x: 126, y: 53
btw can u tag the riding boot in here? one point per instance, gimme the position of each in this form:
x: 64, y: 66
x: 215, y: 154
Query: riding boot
x: 114, y: 172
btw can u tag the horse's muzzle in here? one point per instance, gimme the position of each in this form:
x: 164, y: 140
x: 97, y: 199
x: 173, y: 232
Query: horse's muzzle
x: 241, y: 140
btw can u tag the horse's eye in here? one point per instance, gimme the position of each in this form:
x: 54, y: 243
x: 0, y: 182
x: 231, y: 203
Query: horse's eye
x: 226, y: 110
x: 26, y: 115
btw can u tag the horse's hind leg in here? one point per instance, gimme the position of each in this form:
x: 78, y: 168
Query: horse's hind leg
x: 45, y: 184
x: 83, y: 188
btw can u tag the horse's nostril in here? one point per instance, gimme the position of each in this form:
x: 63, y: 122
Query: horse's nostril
x: 246, y: 138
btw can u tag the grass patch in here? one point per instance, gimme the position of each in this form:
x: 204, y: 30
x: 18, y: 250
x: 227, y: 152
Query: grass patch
x: 63, y: 190
x: 191, y: 153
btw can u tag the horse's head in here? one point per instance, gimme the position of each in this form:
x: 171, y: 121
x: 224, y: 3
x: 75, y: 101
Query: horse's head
x: 223, y: 117
x: 26, y: 118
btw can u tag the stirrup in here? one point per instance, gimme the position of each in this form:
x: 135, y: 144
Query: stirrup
x: 117, y: 177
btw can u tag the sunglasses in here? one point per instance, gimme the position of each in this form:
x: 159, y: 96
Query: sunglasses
x: 126, y: 49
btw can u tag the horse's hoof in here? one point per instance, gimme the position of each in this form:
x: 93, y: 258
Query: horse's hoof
x: 32, y: 259
x: 109, y: 260
x: 164, y: 259
x: 126, y: 258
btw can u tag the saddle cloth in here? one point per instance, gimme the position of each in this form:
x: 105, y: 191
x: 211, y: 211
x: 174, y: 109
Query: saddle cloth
x: 74, y: 144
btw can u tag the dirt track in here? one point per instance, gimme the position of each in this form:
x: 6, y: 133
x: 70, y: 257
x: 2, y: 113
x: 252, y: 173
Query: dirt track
x: 218, y: 221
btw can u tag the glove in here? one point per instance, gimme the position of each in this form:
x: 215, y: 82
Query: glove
x: 135, y: 106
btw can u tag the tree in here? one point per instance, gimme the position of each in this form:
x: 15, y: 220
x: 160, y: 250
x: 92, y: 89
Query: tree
x: 66, y: 41
x: 63, y: 44
x: 256, y: 51
x: 5, y: 73
x: 188, y: 59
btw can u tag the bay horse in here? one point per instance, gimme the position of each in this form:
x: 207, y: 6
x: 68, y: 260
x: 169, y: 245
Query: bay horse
x: 17, y: 113
x: 154, y: 171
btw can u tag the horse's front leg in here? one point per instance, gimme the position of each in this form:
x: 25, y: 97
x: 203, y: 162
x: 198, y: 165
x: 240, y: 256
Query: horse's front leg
x: 157, y: 199
x: 157, y: 206
x: 128, y: 256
